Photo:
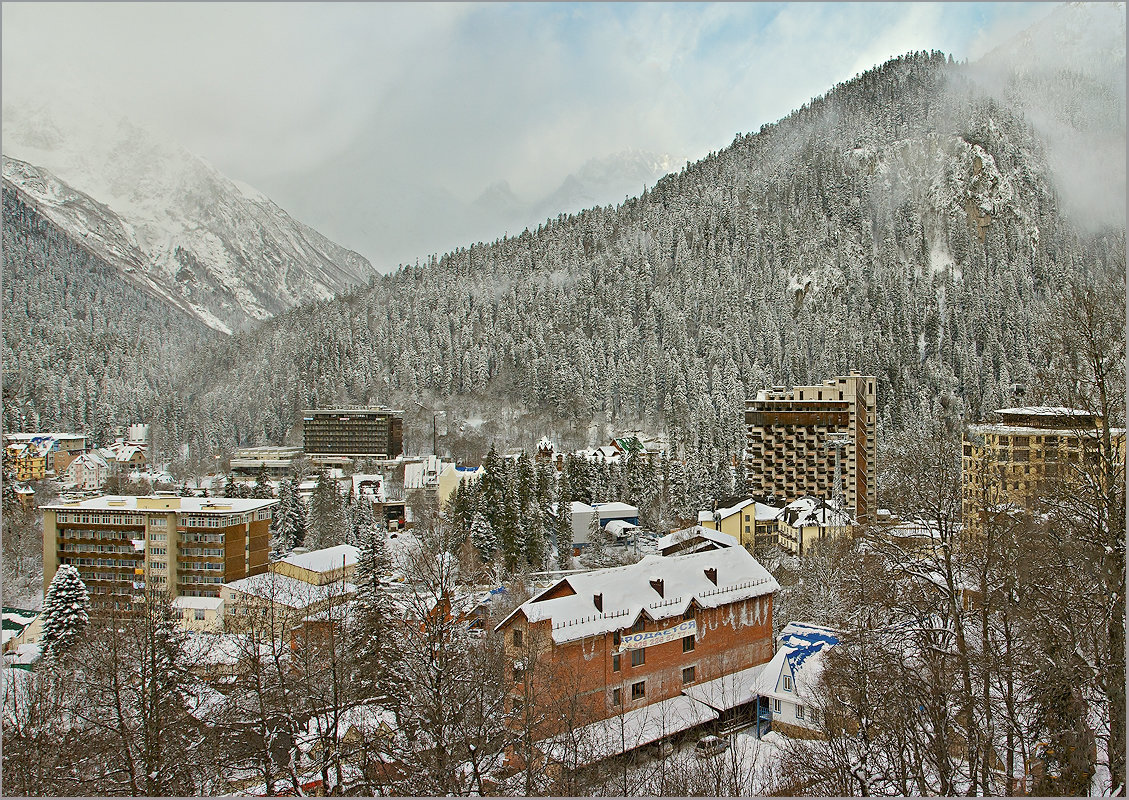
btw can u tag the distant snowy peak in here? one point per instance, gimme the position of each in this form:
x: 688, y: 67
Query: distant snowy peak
x: 608, y: 179
x: 216, y: 247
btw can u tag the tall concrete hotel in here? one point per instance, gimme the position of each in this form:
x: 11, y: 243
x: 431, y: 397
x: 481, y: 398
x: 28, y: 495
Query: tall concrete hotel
x: 349, y: 432
x: 814, y: 440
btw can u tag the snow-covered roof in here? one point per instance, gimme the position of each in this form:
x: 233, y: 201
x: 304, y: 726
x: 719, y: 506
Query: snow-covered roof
x: 627, y: 592
x: 15, y: 620
x: 619, y: 526
x: 640, y: 726
x: 183, y: 505
x: 325, y: 560
x: 367, y: 485
x: 92, y: 458
x: 1044, y: 411
x: 824, y: 517
x: 686, y: 534
x: 287, y: 591
x: 762, y: 511
x: 422, y: 474
x: 207, y: 603
x: 616, y: 508
x: 215, y: 649
x: 367, y: 718
x: 801, y: 646
x: 735, y: 689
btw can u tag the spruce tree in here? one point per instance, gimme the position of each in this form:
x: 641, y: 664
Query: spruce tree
x: 563, y: 531
x: 483, y: 536
x: 596, y: 554
x: 262, y: 488
x: 64, y: 611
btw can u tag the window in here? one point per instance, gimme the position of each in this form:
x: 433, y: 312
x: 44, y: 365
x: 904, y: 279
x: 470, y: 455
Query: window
x: 787, y: 683
x: 517, y: 638
x: 199, y: 615
x: 688, y: 643
x: 615, y: 638
x: 799, y: 712
x: 638, y: 657
x: 615, y: 663
x: 617, y: 697
x: 776, y: 705
x: 638, y: 690
x: 813, y: 716
x: 746, y: 529
x: 688, y: 674
x: 639, y: 626
x: 689, y: 614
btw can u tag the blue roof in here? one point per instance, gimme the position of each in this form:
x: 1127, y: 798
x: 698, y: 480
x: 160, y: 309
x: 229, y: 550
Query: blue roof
x: 804, y: 641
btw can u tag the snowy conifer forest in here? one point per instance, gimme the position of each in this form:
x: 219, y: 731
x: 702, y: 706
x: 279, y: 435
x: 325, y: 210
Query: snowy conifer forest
x: 919, y: 223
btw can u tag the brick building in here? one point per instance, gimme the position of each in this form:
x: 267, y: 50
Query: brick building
x: 800, y: 441
x: 187, y: 546
x: 622, y: 644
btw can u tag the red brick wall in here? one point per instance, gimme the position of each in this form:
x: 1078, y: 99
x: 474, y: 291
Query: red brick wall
x: 729, y: 639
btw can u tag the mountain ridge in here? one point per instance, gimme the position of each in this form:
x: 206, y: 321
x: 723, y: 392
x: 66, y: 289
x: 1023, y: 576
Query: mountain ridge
x: 217, y: 247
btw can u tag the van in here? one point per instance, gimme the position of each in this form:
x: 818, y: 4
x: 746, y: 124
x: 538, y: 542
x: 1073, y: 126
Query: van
x: 710, y: 746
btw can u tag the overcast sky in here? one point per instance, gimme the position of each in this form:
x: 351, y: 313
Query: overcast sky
x: 455, y: 97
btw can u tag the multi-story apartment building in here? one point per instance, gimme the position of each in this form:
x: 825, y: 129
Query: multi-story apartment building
x: 799, y: 441
x: 1016, y: 459
x: 57, y: 449
x: 626, y: 642
x: 187, y: 546
x: 365, y: 432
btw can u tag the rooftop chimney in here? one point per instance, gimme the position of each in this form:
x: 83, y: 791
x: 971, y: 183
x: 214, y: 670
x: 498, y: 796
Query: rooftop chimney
x: 711, y: 573
x: 598, y: 599
x: 657, y: 585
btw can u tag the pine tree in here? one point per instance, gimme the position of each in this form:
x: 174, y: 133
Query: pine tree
x: 326, y: 515
x: 483, y: 536
x: 563, y: 531
x: 596, y: 554
x: 262, y: 488
x: 64, y: 611
x: 288, y: 528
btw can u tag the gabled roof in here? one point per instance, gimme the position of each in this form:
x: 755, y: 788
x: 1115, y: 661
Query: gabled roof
x: 326, y: 559
x: 697, y: 531
x: 802, y: 647
x: 628, y: 592
x: 762, y: 511
x: 290, y: 592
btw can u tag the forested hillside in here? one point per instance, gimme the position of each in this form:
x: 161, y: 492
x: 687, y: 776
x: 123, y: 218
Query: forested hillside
x: 901, y: 225
x: 905, y: 224
x: 84, y: 349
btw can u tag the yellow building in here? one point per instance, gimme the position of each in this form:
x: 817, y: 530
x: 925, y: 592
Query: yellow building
x: 185, y: 546
x: 1016, y: 460
x: 751, y: 523
x: 28, y: 460
x: 452, y: 476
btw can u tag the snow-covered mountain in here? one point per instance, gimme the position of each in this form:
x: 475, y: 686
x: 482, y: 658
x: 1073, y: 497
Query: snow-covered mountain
x: 383, y: 215
x: 172, y: 223
x: 610, y: 179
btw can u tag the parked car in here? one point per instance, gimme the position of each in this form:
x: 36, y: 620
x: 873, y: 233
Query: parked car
x: 710, y: 746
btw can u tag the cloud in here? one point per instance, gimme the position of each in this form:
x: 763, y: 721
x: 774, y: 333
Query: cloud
x: 336, y: 105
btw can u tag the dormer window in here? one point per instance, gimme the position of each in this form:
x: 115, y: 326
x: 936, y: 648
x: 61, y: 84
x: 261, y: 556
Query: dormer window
x: 787, y: 683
